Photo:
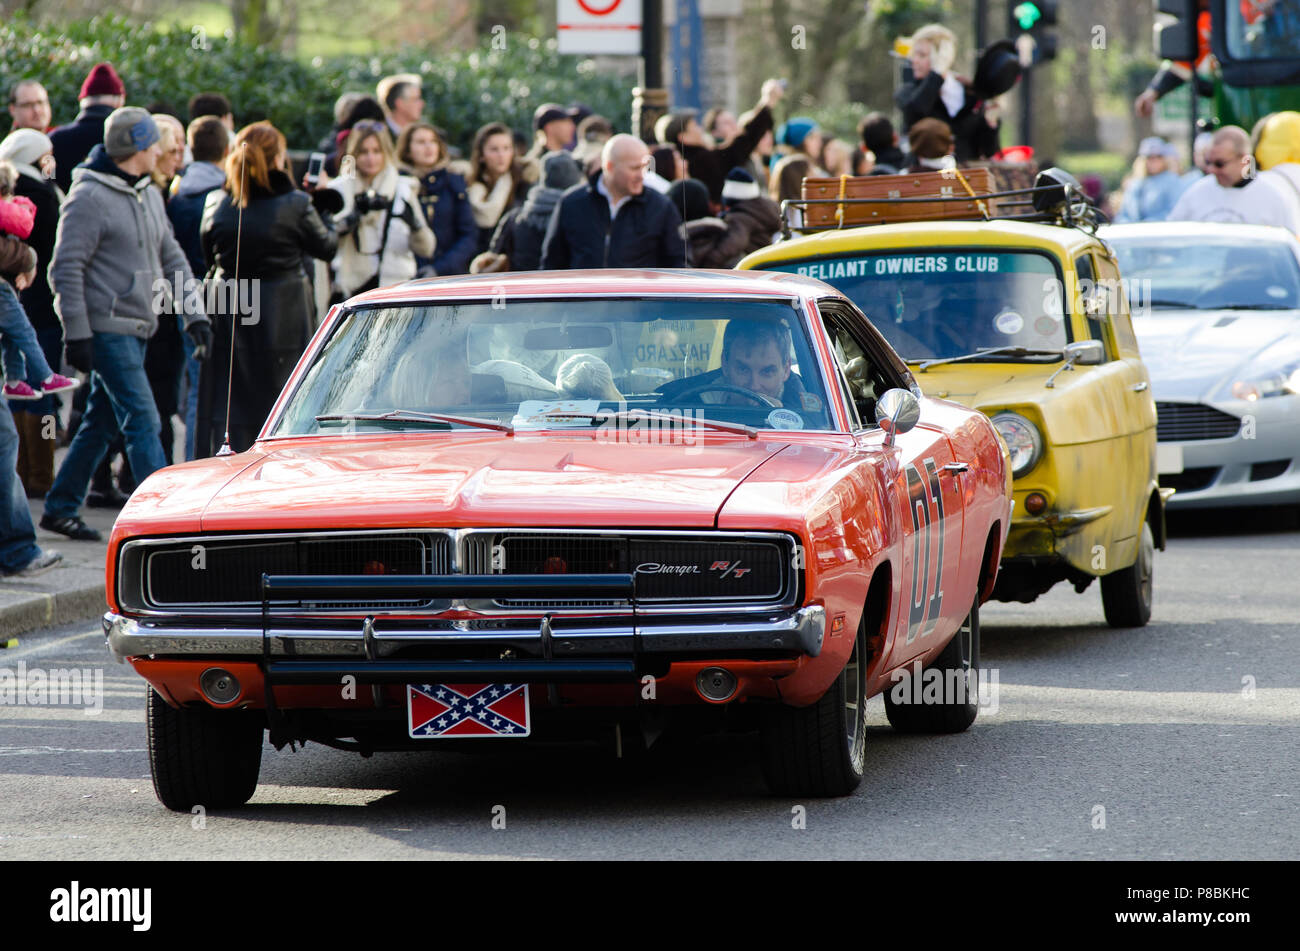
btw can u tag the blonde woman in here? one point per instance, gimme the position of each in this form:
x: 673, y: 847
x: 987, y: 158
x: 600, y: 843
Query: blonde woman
x: 937, y: 92
x: 172, y: 141
x: 381, y: 227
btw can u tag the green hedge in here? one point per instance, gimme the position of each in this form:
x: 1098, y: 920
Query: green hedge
x: 159, y: 63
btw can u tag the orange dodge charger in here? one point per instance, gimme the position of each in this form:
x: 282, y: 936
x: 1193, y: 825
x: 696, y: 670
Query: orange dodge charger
x: 519, y: 505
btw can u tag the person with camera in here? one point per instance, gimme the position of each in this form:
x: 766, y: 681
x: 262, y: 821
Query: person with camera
x: 381, y: 227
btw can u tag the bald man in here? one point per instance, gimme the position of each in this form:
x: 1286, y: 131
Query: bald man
x: 613, y: 220
x: 1234, y: 191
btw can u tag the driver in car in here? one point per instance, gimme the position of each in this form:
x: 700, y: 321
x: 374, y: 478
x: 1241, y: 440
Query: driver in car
x: 757, y: 356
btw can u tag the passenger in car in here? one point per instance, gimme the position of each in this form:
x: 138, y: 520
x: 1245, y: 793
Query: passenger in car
x: 586, y: 376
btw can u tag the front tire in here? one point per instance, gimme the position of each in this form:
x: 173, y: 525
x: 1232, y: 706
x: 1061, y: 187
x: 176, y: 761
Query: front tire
x: 957, y: 668
x: 1126, y: 594
x: 202, y: 757
x: 820, y: 750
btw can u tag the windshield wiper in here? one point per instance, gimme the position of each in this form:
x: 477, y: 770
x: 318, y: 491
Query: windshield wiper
x: 413, y: 416
x: 1254, y: 307
x: 638, y: 414
x: 990, y: 351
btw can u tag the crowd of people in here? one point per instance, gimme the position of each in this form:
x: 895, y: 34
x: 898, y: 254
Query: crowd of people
x: 1236, y: 176
x: 180, y: 266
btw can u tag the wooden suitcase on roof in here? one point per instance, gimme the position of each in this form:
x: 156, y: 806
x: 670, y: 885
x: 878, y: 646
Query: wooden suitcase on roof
x: 946, y: 184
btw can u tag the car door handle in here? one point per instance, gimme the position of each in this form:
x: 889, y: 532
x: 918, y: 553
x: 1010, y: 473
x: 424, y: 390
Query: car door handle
x: 1138, y: 387
x: 956, y: 467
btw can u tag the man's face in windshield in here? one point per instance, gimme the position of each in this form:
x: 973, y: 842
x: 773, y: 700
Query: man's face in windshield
x: 757, y: 366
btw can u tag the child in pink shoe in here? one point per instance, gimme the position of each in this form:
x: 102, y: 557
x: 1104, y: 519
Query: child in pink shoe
x: 27, y: 375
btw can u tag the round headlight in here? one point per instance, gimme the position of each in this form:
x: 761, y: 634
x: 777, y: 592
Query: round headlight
x: 1023, y: 440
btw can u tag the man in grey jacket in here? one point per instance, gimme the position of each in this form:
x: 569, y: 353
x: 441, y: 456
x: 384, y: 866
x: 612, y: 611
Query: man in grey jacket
x: 113, y: 249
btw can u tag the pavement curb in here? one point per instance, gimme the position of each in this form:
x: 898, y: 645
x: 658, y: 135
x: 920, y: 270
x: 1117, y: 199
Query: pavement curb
x: 43, y: 609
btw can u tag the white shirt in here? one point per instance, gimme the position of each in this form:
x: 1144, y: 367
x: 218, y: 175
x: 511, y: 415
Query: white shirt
x: 1262, y: 202
x: 953, y: 95
x: 614, y: 206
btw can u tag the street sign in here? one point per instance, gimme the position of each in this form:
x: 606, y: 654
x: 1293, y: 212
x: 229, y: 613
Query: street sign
x: 599, y: 26
x: 685, y: 53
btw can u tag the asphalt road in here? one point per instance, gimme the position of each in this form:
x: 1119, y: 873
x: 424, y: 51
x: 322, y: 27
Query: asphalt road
x: 1158, y: 727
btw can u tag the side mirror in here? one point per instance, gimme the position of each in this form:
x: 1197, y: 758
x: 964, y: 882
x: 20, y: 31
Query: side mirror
x: 897, y: 411
x: 1086, y: 353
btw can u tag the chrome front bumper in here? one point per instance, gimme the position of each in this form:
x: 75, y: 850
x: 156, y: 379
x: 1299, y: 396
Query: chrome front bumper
x: 550, y: 638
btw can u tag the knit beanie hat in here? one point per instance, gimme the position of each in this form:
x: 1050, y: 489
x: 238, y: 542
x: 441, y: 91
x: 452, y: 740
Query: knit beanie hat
x: 129, y: 130
x: 690, y: 197
x: 102, y: 80
x: 793, y: 132
x: 559, y: 170
x: 739, y: 186
x: 25, y: 146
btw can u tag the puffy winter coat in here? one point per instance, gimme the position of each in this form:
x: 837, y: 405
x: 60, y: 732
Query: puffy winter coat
x: 364, y: 248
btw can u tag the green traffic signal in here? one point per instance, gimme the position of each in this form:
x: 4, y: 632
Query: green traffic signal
x: 1027, y: 14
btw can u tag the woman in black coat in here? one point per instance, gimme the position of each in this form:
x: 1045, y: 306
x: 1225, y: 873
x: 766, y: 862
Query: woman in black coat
x: 273, y: 319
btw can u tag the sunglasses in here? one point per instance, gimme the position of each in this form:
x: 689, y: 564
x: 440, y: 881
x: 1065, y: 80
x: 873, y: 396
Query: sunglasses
x: 1223, y: 163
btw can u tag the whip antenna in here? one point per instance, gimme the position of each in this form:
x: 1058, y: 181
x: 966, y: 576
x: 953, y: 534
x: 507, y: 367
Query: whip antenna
x: 225, y: 449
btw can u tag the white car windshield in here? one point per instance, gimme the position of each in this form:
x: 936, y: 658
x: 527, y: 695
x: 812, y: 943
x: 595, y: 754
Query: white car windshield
x: 1208, y: 273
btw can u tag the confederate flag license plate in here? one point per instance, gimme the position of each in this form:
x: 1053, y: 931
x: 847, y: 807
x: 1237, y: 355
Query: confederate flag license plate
x: 449, y: 711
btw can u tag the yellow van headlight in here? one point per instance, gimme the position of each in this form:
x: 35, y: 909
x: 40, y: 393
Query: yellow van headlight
x: 1024, y: 441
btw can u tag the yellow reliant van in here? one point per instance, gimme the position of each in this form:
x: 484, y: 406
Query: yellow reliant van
x: 1024, y: 322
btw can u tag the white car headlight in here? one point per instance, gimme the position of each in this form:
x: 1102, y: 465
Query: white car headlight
x: 1275, y: 372
x: 1023, y: 440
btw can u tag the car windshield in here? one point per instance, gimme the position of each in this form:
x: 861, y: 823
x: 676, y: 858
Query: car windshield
x: 941, y: 304
x: 732, y: 365
x: 1207, y: 273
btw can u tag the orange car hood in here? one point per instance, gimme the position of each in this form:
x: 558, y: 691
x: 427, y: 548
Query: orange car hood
x: 432, y: 480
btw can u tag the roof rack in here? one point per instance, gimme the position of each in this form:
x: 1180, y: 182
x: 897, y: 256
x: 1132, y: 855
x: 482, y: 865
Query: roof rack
x: 1056, y: 198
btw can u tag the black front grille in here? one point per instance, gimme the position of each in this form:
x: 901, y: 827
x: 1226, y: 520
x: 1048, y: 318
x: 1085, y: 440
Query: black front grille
x: 708, y: 570
x: 1189, y: 480
x: 230, y: 572
x: 667, y: 570
x: 1177, y: 422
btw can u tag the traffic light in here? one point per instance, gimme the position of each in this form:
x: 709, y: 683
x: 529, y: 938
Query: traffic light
x: 1176, y: 40
x: 1031, y: 19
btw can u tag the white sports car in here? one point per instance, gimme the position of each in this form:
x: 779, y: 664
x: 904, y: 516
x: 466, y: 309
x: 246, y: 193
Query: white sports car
x: 1216, y: 309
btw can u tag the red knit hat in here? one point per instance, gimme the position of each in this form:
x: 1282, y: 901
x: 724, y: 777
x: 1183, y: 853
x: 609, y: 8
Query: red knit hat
x: 102, y: 81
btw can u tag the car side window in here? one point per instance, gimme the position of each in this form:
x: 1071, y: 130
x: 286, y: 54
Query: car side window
x: 1092, y: 297
x: 860, y: 374
x: 1120, y: 321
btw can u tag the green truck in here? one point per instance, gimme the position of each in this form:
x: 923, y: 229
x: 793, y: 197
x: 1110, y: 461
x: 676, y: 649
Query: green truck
x: 1246, y: 51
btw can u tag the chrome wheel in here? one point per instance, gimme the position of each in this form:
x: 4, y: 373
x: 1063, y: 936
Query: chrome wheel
x: 854, y: 708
